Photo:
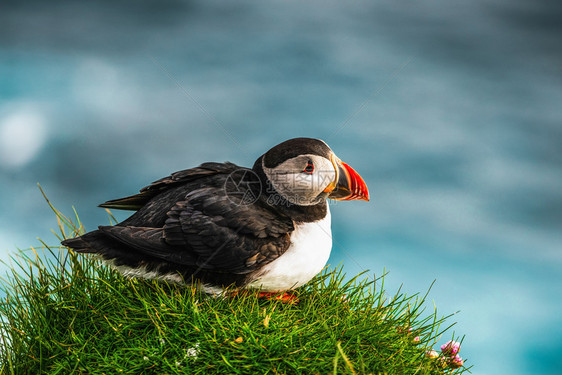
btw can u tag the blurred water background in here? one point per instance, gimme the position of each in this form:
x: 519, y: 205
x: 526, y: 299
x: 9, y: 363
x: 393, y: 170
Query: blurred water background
x: 450, y: 110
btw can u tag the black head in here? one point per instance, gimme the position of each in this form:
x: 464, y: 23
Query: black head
x: 303, y: 172
x: 293, y: 148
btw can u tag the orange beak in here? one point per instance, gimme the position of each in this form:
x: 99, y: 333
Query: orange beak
x: 348, y: 185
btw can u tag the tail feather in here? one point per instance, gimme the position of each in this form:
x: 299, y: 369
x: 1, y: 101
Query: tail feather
x: 78, y: 245
x: 131, y: 203
x: 108, y: 248
x: 87, y: 243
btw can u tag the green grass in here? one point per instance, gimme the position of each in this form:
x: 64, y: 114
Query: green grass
x: 66, y: 313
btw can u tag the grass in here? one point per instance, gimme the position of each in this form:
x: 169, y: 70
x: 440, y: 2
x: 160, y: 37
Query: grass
x: 66, y: 313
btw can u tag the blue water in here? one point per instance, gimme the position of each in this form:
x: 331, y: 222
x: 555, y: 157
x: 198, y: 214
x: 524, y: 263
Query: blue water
x: 450, y: 111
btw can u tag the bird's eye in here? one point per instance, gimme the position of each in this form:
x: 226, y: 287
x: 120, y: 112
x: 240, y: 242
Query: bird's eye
x: 309, y: 167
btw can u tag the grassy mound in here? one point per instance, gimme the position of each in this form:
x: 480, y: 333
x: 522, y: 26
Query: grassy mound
x: 66, y: 313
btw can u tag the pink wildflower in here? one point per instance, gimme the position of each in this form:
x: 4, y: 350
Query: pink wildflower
x: 451, y: 348
x: 456, y: 362
x: 416, y: 340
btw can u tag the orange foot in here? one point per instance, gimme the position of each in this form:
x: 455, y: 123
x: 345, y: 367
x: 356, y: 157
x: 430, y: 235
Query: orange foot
x: 284, y: 297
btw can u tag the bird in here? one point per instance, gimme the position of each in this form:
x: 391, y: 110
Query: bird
x: 223, y: 227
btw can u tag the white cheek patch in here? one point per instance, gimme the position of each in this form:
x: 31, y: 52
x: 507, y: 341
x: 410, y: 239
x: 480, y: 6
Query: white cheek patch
x: 325, y: 174
x: 294, y: 184
x: 301, y: 182
x: 312, y: 184
x: 297, y: 186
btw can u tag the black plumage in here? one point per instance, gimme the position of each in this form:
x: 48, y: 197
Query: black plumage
x: 188, y: 224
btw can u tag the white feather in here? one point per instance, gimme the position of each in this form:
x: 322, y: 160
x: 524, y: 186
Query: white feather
x: 308, y: 253
x: 143, y: 273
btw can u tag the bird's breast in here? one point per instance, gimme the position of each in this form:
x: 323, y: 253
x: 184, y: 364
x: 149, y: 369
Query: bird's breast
x: 308, y: 253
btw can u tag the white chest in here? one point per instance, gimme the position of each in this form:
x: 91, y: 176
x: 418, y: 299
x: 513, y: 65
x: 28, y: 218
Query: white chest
x: 310, y: 248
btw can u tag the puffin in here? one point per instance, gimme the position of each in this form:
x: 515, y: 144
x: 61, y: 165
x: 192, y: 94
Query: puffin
x: 224, y: 227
